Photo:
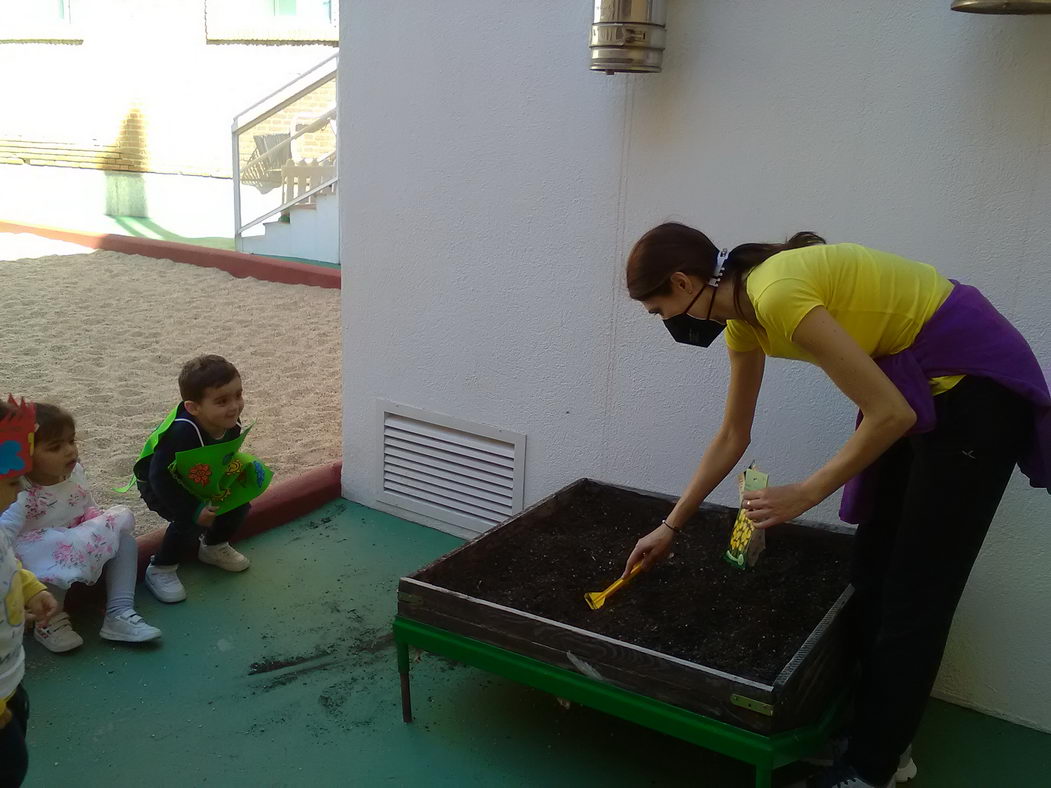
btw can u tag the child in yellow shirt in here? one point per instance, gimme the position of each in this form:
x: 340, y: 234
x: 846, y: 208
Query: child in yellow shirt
x: 19, y: 589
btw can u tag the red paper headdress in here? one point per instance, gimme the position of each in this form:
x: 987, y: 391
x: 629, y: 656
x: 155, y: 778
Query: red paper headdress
x: 16, y: 438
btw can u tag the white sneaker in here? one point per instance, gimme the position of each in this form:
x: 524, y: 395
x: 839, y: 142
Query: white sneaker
x: 58, y: 636
x: 839, y: 777
x: 128, y: 627
x: 906, y: 767
x: 836, y: 749
x: 164, y: 583
x: 222, y: 556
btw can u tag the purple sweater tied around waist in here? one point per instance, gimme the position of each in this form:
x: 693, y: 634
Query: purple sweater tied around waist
x: 966, y: 336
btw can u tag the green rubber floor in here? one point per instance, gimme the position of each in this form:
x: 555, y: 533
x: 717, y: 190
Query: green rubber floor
x: 285, y: 675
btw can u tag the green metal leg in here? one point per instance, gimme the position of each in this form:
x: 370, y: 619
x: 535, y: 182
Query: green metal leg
x: 765, y: 753
x: 403, y: 670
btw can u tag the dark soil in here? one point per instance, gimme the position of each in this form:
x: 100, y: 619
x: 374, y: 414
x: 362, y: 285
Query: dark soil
x: 352, y: 657
x: 269, y: 664
x: 694, y: 605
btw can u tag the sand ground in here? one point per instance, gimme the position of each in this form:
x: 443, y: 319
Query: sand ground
x: 104, y: 334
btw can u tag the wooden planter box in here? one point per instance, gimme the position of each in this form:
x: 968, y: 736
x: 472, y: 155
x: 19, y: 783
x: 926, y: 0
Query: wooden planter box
x: 800, y: 694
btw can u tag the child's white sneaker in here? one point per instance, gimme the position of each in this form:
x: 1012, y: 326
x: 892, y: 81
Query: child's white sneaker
x: 58, y: 636
x: 128, y: 627
x: 164, y: 583
x: 222, y: 556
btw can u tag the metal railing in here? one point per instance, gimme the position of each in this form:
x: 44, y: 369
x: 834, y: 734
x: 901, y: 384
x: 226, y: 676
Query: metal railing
x: 285, y: 144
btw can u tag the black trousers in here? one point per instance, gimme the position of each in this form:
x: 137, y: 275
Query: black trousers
x: 14, y: 759
x: 937, y: 495
x: 181, y: 534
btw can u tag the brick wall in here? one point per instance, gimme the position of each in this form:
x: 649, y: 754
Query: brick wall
x: 138, y: 85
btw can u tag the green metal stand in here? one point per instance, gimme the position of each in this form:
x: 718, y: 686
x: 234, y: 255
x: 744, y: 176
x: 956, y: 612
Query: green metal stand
x: 765, y: 753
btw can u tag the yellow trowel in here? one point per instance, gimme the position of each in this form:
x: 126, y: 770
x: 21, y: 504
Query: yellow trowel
x: 597, y: 599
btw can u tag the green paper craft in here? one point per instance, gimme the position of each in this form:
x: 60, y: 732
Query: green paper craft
x: 221, y: 475
x: 142, y: 464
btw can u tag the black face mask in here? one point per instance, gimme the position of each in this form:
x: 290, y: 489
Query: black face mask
x: 692, y: 330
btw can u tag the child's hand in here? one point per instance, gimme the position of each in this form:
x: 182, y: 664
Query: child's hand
x: 206, y: 517
x: 42, y: 605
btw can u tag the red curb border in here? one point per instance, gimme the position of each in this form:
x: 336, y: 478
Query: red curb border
x: 238, y: 264
x: 278, y: 505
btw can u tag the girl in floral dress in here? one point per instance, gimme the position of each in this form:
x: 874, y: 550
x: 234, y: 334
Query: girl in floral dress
x: 67, y: 539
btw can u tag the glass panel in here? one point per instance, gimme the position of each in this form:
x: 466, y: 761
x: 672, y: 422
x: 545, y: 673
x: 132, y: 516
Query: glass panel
x: 314, y: 12
x: 282, y: 14
x: 284, y: 7
x: 37, y: 10
x: 247, y: 10
x: 276, y: 165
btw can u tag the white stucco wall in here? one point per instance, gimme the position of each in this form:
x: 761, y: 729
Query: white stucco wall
x: 492, y: 186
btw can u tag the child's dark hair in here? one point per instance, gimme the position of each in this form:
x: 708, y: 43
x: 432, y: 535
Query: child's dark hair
x: 53, y: 422
x: 203, y: 373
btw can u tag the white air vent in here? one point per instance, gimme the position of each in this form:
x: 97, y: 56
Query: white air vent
x: 467, y: 475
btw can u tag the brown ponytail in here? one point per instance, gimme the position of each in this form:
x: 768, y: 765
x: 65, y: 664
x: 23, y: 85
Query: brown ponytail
x: 747, y: 256
x: 673, y: 247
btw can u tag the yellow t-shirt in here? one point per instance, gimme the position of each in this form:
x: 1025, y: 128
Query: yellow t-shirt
x: 22, y: 586
x: 880, y: 299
